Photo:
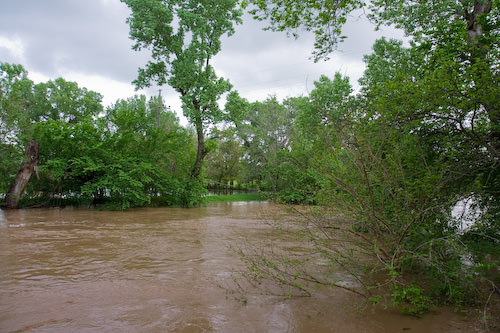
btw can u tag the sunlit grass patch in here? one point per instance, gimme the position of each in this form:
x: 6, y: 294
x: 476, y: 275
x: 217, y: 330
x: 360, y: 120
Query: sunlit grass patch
x: 236, y: 197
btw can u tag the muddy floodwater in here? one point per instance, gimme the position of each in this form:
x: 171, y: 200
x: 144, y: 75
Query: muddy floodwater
x: 162, y: 270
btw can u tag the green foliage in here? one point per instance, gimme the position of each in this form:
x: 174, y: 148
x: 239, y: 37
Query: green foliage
x: 266, y: 133
x: 299, y: 186
x: 236, y: 108
x: 15, y: 94
x: 63, y: 100
x: 411, y: 300
x: 192, y: 193
x: 120, y: 158
x: 223, y: 163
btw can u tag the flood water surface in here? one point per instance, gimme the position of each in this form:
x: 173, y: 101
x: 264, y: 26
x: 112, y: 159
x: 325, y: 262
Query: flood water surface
x: 161, y: 270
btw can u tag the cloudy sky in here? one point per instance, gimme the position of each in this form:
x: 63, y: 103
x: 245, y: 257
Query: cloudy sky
x: 87, y: 41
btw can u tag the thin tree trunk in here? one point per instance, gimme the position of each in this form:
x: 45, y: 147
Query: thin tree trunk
x: 478, y: 54
x: 200, y: 153
x: 23, y: 175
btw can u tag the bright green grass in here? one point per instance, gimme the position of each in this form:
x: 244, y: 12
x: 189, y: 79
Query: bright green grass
x: 235, y: 197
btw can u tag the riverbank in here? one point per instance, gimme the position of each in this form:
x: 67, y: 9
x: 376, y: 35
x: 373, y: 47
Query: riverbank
x: 78, y: 202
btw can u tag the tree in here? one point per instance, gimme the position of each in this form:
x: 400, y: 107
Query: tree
x: 15, y: 95
x: 23, y: 176
x: 165, y: 152
x: 183, y: 37
x: 63, y: 100
x: 385, y: 198
x: 224, y: 162
x: 458, y: 38
x: 121, y: 159
x: 274, y: 157
x: 15, y: 92
x: 266, y: 131
x: 298, y: 179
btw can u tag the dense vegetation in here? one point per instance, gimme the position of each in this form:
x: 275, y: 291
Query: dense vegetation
x: 406, y: 171
x: 390, y: 166
x: 119, y: 156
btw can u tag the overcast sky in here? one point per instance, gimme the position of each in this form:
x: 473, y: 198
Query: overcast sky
x: 87, y: 41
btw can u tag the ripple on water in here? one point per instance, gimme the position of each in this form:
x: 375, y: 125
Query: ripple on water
x: 161, y: 270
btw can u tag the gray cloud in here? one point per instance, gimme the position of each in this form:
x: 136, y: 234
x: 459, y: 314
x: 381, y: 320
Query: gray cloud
x: 91, y: 38
x: 267, y: 62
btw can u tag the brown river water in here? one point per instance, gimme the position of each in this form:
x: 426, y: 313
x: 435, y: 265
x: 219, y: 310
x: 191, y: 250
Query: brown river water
x: 163, y: 270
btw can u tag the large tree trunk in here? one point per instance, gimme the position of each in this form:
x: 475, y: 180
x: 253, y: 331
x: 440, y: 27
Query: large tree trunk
x: 474, y: 28
x: 23, y: 175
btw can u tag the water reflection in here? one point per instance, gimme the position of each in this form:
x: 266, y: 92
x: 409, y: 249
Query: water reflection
x: 157, y: 270
x: 3, y: 220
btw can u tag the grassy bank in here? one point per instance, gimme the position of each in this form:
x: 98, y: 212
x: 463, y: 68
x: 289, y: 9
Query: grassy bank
x: 236, y: 197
